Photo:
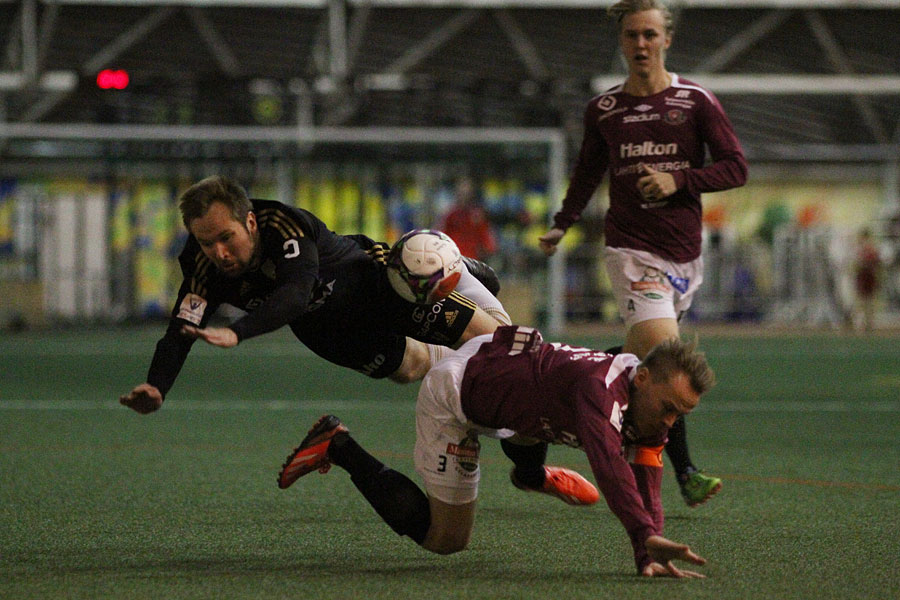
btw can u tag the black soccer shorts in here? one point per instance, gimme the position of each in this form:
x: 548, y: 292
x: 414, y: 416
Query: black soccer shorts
x: 365, y: 328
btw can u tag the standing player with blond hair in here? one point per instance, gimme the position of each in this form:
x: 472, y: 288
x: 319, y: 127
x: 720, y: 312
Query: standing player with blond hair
x: 651, y: 134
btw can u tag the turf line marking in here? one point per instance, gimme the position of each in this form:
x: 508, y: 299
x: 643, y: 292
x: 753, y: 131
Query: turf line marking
x: 799, y: 407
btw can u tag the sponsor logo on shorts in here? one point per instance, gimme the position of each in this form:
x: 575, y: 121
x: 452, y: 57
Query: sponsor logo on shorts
x: 192, y: 309
x: 427, y: 316
x: 465, y: 453
x: 370, y: 368
x: 679, y: 283
x: 653, y: 296
x: 451, y: 315
x: 644, y: 286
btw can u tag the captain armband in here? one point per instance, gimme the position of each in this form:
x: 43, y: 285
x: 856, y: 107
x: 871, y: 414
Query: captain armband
x: 648, y: 456
x: 192, y: 309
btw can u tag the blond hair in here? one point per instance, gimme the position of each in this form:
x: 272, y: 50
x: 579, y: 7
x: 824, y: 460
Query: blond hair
x: 676, y: 356
x: 621, y: 9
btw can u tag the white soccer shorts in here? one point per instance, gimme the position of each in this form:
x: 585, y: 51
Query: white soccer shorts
x: 648, y: 287
x: 447, y: 447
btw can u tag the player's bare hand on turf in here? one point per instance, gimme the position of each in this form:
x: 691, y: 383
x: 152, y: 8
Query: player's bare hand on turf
x: 223, y: 337
x: 654, y: 185
x: 144, y: 398
x: 549, y: 240
x: 663, y: 552
x: 657, y: 570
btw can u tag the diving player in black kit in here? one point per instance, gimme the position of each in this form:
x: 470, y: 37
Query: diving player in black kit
x: 285, y: 267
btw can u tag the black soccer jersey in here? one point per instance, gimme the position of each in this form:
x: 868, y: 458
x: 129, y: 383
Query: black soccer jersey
x: 331, y: 289
x: 293, y: 271
x: 297, y: 258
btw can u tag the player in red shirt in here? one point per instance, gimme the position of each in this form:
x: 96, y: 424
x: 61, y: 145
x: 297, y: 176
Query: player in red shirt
x: 512, y: 385
x: 651, y: 134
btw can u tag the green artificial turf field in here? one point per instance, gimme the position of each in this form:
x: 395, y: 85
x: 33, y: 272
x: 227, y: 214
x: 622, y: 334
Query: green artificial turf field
x: 97, y: 501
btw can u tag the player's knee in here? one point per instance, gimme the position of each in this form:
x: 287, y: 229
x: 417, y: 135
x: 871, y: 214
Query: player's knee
x: 405, y: 376
x: 416, y: 362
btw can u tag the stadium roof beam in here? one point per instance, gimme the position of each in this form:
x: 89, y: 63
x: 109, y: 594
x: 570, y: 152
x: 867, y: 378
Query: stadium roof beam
x: 343, y: 111
x: 28, y: 15
x: 222, y: 53
x: 841, y: 64
x: 523, y: 46
x: 337, y: 39
x: 434, y: 40
x: 359, y: 22
x: 743, y: 41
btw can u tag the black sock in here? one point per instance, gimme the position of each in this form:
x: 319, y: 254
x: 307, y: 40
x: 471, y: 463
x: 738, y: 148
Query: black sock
x: 677, y: 449
x: 396, y: 499
x: 528, y: 461
x: 614, y: 350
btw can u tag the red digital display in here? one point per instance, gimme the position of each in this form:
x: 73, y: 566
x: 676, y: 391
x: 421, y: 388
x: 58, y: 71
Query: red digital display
x: 112, y: 79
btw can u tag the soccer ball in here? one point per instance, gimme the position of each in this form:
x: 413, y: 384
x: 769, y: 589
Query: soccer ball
x: 424, y: 266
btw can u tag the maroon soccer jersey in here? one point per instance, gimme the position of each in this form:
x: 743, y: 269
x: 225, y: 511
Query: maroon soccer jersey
x: 669, y: 132
x: 573, y: 396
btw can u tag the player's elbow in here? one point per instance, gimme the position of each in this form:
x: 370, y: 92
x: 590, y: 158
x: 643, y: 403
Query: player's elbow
x: 741, y: 172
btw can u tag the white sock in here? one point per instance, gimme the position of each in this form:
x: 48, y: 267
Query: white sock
x: 436, y: 353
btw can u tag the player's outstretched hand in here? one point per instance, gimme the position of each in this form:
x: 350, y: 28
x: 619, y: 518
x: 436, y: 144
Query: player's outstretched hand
x: 663, y: 552
x: 144, y: 399
x: 223, y: 337
x: 549, y: 240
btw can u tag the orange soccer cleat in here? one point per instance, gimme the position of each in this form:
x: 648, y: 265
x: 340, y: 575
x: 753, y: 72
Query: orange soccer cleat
x: 565, y: 484
x: 312, y: 453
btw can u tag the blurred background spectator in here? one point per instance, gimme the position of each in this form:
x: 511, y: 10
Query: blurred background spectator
x: 467, y: 223
x: 867, y: 271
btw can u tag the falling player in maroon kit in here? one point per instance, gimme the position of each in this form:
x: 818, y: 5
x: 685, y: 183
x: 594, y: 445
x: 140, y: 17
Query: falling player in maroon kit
x: 511, y: 385
x: 651, y: 134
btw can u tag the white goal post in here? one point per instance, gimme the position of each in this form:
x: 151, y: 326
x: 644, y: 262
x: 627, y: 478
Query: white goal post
x: 553, y: 139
